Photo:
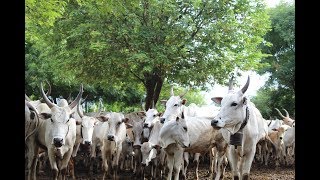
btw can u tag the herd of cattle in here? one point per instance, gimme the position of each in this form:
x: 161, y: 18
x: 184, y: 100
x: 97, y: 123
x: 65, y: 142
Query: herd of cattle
x: 235, y: 133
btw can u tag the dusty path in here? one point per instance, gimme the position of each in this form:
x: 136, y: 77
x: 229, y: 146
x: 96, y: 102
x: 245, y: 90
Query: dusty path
x: 257, y: 173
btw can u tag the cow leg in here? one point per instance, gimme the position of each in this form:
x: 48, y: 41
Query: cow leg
x: 233, y: 158
x: 213, y: 160
x: 185, y: 166
x: 170, y: 161
x: 246, y: 162
x: 197, y: 161
x: 53, y: 163
x: 71, y: 165
x: 178, y: 161
x: 64, y: 164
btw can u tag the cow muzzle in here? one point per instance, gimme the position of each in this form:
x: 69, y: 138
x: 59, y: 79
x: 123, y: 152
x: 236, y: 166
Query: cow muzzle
x: 87, y: 143
x: 58, y: 142
x: 162, y: 120
x: 110, y: 137
x: 214, y: 124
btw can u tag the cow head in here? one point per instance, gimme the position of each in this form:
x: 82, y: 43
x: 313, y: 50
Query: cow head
x: 116, y: 123
x: 148, y: 152
x: 286, y: 119
x: 60, y: 119
x: 152, y: 115
x: 173, y: 106
x: 175, y: 131
x: 87, y: 126
x: 233, y: 110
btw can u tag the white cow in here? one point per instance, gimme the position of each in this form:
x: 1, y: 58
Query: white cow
x: 56, y: 134
x: 112, y: 135
x: 173, y: 139
x: 151, y: 150
x: 239, y: 117
x: 136, y: 119
x: 175, y: 105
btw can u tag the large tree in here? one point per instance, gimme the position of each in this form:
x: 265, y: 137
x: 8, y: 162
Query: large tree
x: 189, y: 42
x: 280, y: 86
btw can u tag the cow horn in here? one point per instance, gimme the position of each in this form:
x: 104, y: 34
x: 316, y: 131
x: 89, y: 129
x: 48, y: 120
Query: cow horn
x: 231, y: 83
x: 27, y: 98
x: 152, y: 104
x: 31, y: 107
x: 75, y: 102
x: 184, y: 93
x: 78, y: 109
x: 100, y: 108
x: 287, y: 114
x: 279, y: 112
x: 84, y: 99
x: 49, y: 91
x: 44, y: 96
x: 171, y: 91
x: 245, y: 87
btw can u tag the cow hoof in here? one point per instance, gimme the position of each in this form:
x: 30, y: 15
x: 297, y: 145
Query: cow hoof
x: 245, y: 177
x: 235, y: 178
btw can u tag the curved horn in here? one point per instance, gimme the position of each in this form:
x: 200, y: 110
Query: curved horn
x: 287, y: 114
x: 75, y: 102
x: 31, y: 107
x: 152, y: 104
x: 231, y: 83
x: 78, y: 109
x: 44, y: 96
x: 48, y: 93
x: 279, y: 112
x: 84, y: 99
x: 27, y: 97
x: 100, y: 107
x: 69, y: 98
x: 184, y: 93
x: 245, y: 87
x: 171, y: 91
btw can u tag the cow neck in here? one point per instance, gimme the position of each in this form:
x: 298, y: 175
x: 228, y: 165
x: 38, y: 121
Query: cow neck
x: 245, y: 121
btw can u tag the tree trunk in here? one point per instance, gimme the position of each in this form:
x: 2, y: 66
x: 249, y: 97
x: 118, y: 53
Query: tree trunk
x: 153, y: 87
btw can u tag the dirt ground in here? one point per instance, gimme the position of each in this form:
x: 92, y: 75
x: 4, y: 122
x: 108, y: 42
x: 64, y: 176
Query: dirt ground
x: 257, y: 173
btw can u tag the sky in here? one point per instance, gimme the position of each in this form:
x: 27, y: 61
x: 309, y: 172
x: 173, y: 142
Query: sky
x: 256, y: 81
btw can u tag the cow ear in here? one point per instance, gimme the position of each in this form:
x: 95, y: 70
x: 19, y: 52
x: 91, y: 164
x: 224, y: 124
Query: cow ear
x: 125, y: 120
x: 45, y: 115
x: 244, y: 100
x: 163, y: 102
x: 217, y: 100
x: 102, y: 118
x: 184, y: 101
x: 128, y: 125
x: 159, y: 114
x: 141, y: 113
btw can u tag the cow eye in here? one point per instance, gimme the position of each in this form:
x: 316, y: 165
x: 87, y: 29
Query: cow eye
x: 175, y: 105
x: 185, y: 128
x: 234, y: 104
x: 118, y: 124
x: 51, y: 120
x: 154, y: 115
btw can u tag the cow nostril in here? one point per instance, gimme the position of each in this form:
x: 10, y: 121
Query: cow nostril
x: 145, y: 125
x: 57, y: 142
x: 162, y: 120
x: 280, y: 137
x: 214, y: 122
x: 87, y: 143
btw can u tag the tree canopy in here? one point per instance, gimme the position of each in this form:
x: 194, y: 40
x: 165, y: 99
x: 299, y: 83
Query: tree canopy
x: 144, y: 42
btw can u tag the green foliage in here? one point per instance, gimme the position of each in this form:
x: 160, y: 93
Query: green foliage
x: 116, y: 46
x: 280, y: 87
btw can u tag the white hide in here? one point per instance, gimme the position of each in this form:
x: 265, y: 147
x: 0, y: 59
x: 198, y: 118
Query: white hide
x: 232, y: 114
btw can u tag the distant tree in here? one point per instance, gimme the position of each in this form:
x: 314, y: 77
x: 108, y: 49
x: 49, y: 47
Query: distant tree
x: 280, y: 86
